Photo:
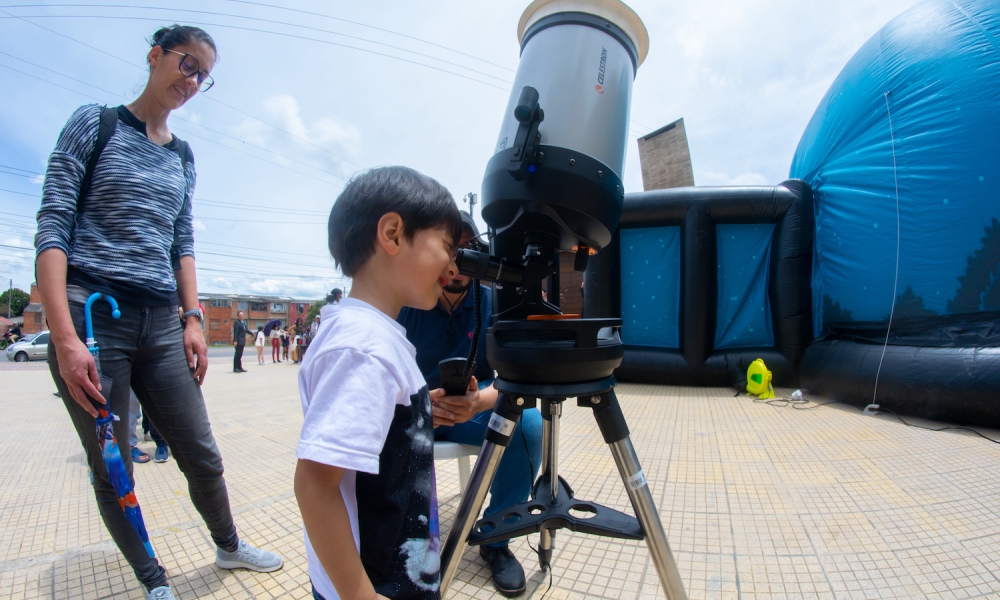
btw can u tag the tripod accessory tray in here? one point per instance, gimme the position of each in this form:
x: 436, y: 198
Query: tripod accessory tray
x: 542, y: 513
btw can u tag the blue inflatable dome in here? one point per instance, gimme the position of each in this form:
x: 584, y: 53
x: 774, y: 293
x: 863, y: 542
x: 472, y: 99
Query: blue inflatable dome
x: 903, y: 156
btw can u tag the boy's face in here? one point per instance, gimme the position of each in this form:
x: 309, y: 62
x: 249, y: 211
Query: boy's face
x: 427, y: 265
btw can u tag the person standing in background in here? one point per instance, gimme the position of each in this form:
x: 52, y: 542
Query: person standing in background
x: 240, y: 334
x: 259, y: 343
x: 275, y: 338
x: 284, y: 343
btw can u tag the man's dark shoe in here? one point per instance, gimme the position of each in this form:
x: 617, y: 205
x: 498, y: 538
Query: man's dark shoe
x: 508, y: 576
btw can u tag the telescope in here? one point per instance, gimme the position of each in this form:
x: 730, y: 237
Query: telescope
x: 554, y: 185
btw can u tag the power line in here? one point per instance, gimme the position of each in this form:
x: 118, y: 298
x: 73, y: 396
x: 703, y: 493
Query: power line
x: 258, y: 207
x: 118, y: 58
x: 270, y: 22
x: 21, y: 193
x: 37, y: 66
x: 22, y: 170
x: 195, y: 216
x: 269, y: 251
x: 2, y: 172
x: 185, y: 132
x: 277, y: 33
x: 255, y: 221
x: 316, y: 14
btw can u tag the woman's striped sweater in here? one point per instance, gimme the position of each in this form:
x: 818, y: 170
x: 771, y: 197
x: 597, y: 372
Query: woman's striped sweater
x: 136, y: 221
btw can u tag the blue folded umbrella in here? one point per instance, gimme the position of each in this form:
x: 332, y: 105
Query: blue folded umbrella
x: 110, y: 450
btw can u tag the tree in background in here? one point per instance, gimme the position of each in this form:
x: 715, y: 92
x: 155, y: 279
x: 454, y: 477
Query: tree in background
x: 17, y: 298
x: 314, y: 309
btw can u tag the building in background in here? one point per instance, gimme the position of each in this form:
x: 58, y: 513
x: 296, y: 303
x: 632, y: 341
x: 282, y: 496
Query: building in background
x: 665, y: 158
x: 34, y: 314
x: 221, y: 310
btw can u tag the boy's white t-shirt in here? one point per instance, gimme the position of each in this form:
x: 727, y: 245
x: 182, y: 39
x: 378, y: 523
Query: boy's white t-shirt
x: 360, y: 385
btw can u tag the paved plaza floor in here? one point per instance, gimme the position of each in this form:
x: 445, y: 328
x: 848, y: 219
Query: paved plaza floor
x: 758, y: 500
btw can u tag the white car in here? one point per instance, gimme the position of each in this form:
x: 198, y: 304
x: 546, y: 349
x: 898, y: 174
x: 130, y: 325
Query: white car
x: 35, y: 347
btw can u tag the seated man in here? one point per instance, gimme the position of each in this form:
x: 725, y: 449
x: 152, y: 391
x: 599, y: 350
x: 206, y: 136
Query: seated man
x: 445, y: 332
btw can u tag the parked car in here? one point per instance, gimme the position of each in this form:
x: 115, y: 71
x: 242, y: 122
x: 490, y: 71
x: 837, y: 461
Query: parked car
x: 34, y: 347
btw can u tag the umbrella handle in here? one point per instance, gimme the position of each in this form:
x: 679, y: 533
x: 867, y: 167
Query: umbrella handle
x: 115, y: 313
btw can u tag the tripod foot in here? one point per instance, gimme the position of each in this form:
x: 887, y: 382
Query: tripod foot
x: 545, y: 558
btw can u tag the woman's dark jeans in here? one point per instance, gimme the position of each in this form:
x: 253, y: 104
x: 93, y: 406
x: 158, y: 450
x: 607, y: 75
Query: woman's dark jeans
x: 144, y: 350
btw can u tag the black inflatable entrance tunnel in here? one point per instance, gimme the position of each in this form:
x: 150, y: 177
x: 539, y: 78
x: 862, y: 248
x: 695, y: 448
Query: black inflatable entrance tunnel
x: 699, y: 212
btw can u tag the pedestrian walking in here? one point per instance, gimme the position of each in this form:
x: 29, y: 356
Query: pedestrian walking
x: 285, y: 339
x: 259, y: 343
x: 116, y: 218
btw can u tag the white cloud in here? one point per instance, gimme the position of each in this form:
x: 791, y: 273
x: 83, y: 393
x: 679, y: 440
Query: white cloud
x: 37, y: 179
x: 186, y: 113
x: 16, y: 241
x: 199, y: 225
x: 327, y: 142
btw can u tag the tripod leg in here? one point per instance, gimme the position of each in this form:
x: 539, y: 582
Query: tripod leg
x: 501, y: 427
x: 616, y: 434
x: 551, y: 411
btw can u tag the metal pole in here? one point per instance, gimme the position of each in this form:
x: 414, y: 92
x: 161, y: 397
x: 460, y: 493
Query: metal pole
x: 468, y: 510
x: 550, y: 469
x: 645, y: 511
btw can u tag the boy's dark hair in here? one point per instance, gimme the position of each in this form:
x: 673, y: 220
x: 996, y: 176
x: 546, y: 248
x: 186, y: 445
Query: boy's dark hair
x: 422, y: 202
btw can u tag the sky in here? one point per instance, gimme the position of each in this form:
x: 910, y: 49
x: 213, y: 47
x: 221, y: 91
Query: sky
x: 308, y: 93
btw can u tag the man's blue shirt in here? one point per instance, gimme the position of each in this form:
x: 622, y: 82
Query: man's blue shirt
x: 438, y: 335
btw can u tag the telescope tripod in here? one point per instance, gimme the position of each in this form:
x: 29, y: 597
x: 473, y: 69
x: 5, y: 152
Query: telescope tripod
x: 552, y: 505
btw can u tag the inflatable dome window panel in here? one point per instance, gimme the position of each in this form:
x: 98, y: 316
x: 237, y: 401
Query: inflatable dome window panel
x: 651, y: 304
x: 743, y: 314
x: 767, y: 253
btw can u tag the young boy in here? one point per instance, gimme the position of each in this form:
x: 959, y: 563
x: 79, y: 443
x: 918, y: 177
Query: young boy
x: 365, y: 475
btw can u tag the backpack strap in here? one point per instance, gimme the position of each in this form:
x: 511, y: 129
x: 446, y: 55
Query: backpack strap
x: 109, y: 121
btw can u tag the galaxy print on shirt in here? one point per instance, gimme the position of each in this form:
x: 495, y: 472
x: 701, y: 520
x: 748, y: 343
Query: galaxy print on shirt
x: 397, y: 509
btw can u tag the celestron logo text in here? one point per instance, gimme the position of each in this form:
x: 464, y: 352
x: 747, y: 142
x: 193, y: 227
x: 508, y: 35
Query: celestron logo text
x: 600, y: 72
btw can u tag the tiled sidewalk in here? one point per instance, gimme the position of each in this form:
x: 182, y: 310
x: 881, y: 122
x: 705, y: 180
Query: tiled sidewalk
x: 758, y: 501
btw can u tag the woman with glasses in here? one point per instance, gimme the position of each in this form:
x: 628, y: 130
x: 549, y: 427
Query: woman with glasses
x: 122, y: 224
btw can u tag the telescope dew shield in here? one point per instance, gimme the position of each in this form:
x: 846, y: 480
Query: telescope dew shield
x: 560, y: 153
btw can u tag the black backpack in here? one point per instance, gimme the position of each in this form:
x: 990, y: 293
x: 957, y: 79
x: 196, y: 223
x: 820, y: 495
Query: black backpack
x: 109, y: 122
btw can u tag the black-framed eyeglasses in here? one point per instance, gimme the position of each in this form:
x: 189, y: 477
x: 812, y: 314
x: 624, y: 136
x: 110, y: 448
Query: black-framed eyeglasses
x: 189, y: 66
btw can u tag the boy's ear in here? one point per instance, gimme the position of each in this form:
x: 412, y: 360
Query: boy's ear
x: 389, y: 233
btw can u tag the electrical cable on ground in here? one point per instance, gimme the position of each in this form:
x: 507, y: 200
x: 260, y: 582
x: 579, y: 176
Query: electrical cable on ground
x: 872, y: 409
x: 797, y: 405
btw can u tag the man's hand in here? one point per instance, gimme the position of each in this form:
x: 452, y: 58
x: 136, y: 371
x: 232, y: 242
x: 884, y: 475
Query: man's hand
x: 450, y: 410
x: 234, y: 342
x: 78, y: 370
x: 194, y: 346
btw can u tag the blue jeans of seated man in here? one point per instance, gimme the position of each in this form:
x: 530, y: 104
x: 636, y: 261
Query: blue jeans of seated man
x: 144, y: 351
x: 134, y: 411
x: 519, y: 465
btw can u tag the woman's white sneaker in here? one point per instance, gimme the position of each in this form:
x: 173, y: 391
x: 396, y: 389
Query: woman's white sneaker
x: 248, y: 557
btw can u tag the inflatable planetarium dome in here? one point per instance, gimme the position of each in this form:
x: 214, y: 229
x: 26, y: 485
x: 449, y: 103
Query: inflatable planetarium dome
x: 903, y: 158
